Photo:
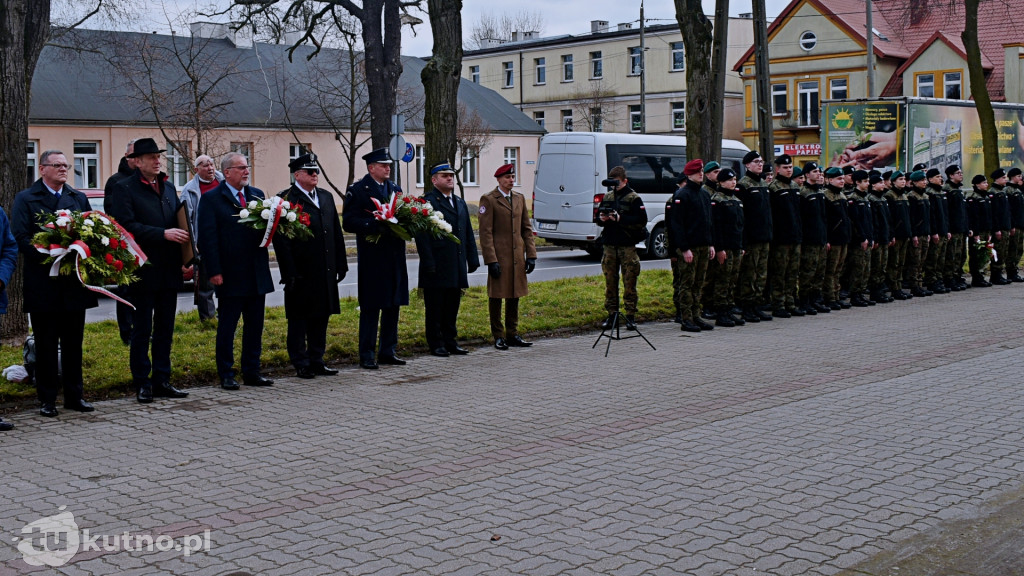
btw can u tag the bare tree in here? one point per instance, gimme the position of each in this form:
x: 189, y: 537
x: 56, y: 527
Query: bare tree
x: 593, y: 105
x: 472, y: 137
x: 697, y: 36
x: 440, y: 79
x: 979, y: 90
x: 491, y: 27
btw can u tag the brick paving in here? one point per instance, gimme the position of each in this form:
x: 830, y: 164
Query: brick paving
x: 800, y: 446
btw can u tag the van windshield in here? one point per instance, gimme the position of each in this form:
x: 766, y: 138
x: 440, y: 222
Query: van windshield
x: 650, y: 169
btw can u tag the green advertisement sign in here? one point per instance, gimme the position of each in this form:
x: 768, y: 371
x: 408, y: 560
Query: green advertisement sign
x: 865, y: 135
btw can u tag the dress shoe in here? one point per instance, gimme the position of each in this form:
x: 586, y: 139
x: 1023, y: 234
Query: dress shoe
x: 145, y: 393
x: 5, y: 426
x: 630, y: 322
x: 456, y: 349
x: 391, y: 361
x: 256, y: 380
x: 305, y: 372
x: 702, y: 324
x: 321, y: 370
x: 500, y: 344
x: 688, y: 326
x: 229, y: 383
x: 780, y: 313
x: 48, y: 410
x: 518, y: 342
x: 440, y: 352
x: 79, y: 406
x: 368, y: 364
x: 165, y: 390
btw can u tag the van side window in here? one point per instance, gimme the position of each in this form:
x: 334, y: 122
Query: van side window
x: 653, y: 173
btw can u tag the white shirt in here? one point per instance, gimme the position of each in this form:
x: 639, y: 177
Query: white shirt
x: 312, y: 196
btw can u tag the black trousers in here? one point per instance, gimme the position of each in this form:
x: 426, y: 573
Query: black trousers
x: 66, y: 329
x: 154, y: 322
x: 125, y: 315
x: 250, y: 309
x: 368, y: 320
x: 441, y: 306
x: 307, y: 340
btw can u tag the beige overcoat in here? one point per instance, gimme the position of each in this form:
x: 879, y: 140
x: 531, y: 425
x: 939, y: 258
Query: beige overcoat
x: 506, y: 237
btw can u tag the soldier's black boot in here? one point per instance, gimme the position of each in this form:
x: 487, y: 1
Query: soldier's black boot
x: 805, y: 305
x: 750, y: 315
x: 724, y: 319
x: 978, y: 281
x: 781, y: 312
x: 737, y: 318
x: 630, y: 322
x: 998, y: 280
x: 858, y: 300
x: 761, y: 315
x: 678, y: 319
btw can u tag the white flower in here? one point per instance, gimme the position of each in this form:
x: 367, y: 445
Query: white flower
x: 446, y: 226
x: 265, y: 214
x: 291, y: 216
x: 244, y: 213
x: 252, y: 205
x: 105, y: 221
x: 63, y: 213
x: 88, y: 222
x: 286, y: 205
x: 105, y: 241
x: 63, y: 221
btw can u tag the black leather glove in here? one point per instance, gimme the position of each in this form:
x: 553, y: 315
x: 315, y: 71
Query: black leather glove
x: 341, y: 275
x: 494, y: 269
x: 531, y: 263
x: 473, y: 267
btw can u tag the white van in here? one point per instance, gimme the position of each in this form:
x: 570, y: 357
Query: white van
x: 572, y: 165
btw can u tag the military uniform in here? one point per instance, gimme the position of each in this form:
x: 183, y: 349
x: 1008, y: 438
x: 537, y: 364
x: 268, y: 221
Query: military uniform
x: 979, y: 220
x: 921, y: 226
x: 619, y: 239
x: 688, y: 215
x: 757, y: 236
x: 1001, y: 225
x: 881, y: 225
x: 837, y: 220
x: 935, y: 266
x: 899, y: 211
x: 812, y: 248
x: 956, y: 248
x: 1015, y: 243
x: 784, y: 255
x: 859, y: 255
x: 727, y: 236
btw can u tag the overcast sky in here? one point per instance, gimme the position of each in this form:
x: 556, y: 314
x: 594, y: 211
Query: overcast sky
x: 560, y: 16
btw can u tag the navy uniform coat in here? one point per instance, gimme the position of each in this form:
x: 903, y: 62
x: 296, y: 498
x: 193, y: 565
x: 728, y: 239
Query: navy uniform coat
x: 443, y: 263
x: 137, y: 206
x: 312, y: 263
x: 41, y: 292
x: 383, y: 278
x: 230, y: 248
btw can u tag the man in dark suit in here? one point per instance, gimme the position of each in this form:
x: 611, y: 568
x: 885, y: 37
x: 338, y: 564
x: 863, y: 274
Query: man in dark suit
x: 125, y: 168
x: 383, y: 278
x: 146, y: 204
x: 239, y: 271
x: 56, y: 305
x: 311, y: 270
x: 445, y: 265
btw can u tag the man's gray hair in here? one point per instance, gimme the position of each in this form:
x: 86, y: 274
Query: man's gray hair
x: 130, y: 146
x: 46, y: 155
x: 228, y: 158
x: 202, y: 159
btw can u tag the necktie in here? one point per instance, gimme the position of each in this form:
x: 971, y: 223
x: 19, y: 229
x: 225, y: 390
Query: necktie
x: 451, y: 200
x: 57, y: 194
x: 241, y: 198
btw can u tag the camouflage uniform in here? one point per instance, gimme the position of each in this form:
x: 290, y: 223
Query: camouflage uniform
x: 979, y: 220
x: 812, y: 249
x: 858, y: 258
x: 619, y: 239
x: 899, y: 211
x: 921, y: 225
x: 935, y: 266
x: 727, y: 235
x: 757, y: 235
x: 784, y: 255
x: 1015, y: 243
x: 838, y: 225
x: 956, y: 248
x: 1001, y: 225
x: 881, y: 226
x: 688, y: 218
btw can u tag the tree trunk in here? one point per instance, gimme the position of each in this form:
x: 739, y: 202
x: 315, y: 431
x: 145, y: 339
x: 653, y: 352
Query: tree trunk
x: 719, y: 68
x: 696, y: 30
x: 24, y: 30
x: 382, y: 42
x: 440, y: 79
x: 986, y: 116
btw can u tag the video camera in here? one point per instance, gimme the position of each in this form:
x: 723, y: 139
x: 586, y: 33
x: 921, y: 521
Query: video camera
x: 610, y: 183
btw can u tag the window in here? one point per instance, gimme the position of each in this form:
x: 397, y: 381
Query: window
x: 538, y: 117
x: 926, y: 85
x: 678, y: 56
x: 679, y: 115
x: 807, y: 93
x: 474, y: 74
x: 635, y: 61
x: 421, y: 158
x: 636, y: 118
x: 245, y: 149
x: 294, y: 151
x: 567, y: 68
x: 808, y: 40
x: 470, y: 162
x: 837, y: 89
x: 596, y: 121
x: 780, y: 99
x: 178, y: 163
x: 542, y: 70
x: 951, y: 85
x: 649, y: 172
x: 510, y: 74
x: 567, y: 120
x: 511, y: 156
x: 596, y: 67
x: 31, y: 161
x: 87, y: 165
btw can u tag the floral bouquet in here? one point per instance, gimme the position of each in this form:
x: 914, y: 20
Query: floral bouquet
x: 273, y: 215
x: 985, y: 250
x: 406, y: 217
x: 90, y: 246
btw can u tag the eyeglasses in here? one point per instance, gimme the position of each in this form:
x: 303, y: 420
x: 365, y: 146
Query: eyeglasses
x: 243, y: 168
x: 58, y: 166
x: 312, y: 171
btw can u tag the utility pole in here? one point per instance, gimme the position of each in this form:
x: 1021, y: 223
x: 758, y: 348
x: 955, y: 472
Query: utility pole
x: 871, y: 52
x: 643, y: 72
x: 718, y: 69
x: 765, y: 125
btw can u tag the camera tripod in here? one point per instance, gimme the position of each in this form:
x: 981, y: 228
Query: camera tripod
x: 612, y: 333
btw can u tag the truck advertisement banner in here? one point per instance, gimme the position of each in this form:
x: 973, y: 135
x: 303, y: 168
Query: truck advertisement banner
x: 945, y: 135
x: 865, y: 135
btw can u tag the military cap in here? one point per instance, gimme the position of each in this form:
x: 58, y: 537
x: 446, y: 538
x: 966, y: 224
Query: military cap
x: 896, y: 175
x: 978, y: 179
x: 847, y: 170
x: 917, y: 176
x: 859, y: 175
x: 693, y: 166
x: 997, y: 174
x: 750, y: 156
x: 711, y: 166
x: 874, y: 172
x: 442, y: 168
x: 1013, y: 172
x: 811, y: 167
x: 784, y: 160
x: 874, y: 179
x: 932, y: 173
x: 726, y: 174
x: 919, y: 166
x: 506, y: 169
x: 886, y: 175
x: 797, y: 171
x: 833, y: 172
x: 952, y: 169
x: 304, y: 162
x: 378, y: 156
x: 768, y: 169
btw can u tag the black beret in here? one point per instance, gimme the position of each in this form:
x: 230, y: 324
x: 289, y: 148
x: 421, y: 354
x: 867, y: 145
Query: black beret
x: 784, y: 160
x: 847, y: 170
x: 874, y: 179
x: 726, y: 174
x: 1013, y: 172
x: 932, y: 173
x: 750, y: 156
x: 998, y: 173
x: 978, y: 179
x: 811, y: 167
x: 919, y: 166
x: 859, y: 175
x: 952, y: 169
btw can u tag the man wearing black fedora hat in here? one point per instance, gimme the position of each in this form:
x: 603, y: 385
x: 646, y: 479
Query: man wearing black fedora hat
x: 146, y: 204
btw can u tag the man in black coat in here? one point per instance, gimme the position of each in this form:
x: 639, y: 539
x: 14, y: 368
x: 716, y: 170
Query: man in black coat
x: 383, y: 278
x: 55, y: 305
x: 125, y: 168
x: 146, y: 204
x: 445, y: 265
x: 239, y: 271
x: 310, y: 269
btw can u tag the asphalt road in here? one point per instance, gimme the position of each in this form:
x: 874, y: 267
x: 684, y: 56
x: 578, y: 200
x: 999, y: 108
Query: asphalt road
x: 551, y: 265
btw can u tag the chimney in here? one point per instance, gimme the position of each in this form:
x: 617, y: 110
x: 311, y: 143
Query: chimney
x: 598, y: 26
x: 623, y: 26
x: 746, y: 15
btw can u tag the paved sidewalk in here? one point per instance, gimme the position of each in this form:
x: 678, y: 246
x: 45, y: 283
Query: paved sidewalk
x: 800, y: 446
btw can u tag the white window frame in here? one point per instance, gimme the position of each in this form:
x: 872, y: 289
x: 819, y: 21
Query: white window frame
x: 511, y: 156
x: 596, y: 65
x: 678, y: 57
x: 833, y: 87
x: 421, y: 159
x: 541, y: 66
x: 566, y: 118
x: 567, y: 68
x: 32, y: 161
x: 470, y: 167
x: 807, y: 103
x: 538, y: 117
x: 474, y: 74
x: 922, y: 83
x: 294, y: 151
x: 87, y: 165
x: 178, y: 165
x: 636, y: 61
x: 808, y: 41
x: 508, y: 70
x: 636, y: 118
x: 776, y: 92
x: 956, y: 81
x: 678, y: 116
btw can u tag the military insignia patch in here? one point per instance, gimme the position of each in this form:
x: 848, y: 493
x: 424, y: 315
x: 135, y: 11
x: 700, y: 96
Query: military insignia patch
x: 483, y: 209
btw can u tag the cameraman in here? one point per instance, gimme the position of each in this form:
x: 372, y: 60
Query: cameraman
x: 621, y: 213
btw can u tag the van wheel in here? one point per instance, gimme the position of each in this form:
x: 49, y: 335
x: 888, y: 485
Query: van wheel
x: 657, y: 245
